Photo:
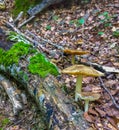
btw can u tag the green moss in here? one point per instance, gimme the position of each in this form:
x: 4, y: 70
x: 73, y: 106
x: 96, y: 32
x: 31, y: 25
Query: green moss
x: 41, y: 66
x: 24, y: 5
x: 13, y: 55
x: 3, y: 122
x: 38, y: 63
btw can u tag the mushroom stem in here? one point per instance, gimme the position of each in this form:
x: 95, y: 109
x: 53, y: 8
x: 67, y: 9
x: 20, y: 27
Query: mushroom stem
x: 73, y: 59
x: 78, y: 86
x: 86, y: 105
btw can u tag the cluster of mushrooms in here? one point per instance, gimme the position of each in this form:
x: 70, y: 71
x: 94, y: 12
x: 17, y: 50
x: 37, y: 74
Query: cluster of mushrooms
x: 80, y: 71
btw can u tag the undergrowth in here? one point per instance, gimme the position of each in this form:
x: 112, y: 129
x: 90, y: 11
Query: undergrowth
x: 24, y: 6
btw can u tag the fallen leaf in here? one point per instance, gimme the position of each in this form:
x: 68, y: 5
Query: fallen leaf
x: 88, y: 117
x: 101, y: 112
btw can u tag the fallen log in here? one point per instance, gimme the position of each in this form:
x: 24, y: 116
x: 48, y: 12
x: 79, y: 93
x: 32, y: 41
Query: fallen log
x: 58, y: 110
x: 44, y: 4
x: 11, y: 91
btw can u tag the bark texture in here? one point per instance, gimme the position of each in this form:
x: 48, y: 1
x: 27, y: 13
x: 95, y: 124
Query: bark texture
x: 44, y: 4
x: 59, y: 111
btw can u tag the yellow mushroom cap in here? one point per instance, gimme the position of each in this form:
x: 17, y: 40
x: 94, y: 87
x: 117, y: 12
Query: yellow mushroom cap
x: 89, y: 96
x: 82, y: 70
x: 75, y: 52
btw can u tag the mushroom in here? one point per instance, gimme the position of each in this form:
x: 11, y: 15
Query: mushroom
x: 80, y: 71
x: 88, y: 96
x: 75, y: 52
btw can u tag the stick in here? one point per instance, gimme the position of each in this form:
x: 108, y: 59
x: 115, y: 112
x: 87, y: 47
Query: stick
x: 48, y: 41
x: 37, y: 44
x: 26, y: 21
x: 18, y: 17
x: 113, y: 100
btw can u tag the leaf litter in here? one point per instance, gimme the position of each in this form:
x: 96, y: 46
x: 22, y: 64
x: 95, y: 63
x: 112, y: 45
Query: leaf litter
x: 88, y: 27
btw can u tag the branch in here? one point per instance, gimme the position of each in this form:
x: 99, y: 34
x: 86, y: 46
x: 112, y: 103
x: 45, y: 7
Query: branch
x: 47, y: 41
x: 12, y: 93
x: 113, y: 100
x: 37, y: 44
x: 26, y: 21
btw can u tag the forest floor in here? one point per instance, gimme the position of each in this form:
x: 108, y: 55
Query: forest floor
x: 93, y: 27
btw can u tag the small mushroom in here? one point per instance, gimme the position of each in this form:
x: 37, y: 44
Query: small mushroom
x: 88, y: 96
x: 80, y: 71
x: 75, y: 52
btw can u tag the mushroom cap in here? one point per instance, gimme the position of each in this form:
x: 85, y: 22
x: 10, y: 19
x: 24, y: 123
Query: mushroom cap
x: 82, y: 70
x: 75, y: 52
x: 89, y: 96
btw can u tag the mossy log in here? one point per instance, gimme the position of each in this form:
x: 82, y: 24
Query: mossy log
x: 42, y: 5
x: 59, y: 112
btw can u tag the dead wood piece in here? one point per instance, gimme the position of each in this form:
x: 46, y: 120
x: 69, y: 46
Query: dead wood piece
x: 12, y: 93
x: 34, y: 42
x: 39, y: 7
x: 57, y: 109
x: 26, y: 21
x: 16, y: 21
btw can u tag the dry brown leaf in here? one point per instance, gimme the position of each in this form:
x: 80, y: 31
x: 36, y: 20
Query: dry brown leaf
x: 101, y: 112
x: 93, y: 112
x: 112, y: 121
x: 88, y: 117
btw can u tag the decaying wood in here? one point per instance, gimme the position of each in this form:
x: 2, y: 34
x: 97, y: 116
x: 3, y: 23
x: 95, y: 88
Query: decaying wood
x: 58, y: 110
x: 44, y: 4
x: 12, y: 93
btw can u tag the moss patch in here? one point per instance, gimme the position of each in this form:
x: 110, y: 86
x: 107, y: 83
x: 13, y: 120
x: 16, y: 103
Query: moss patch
x: 38, y: 64
x: 41, y: 66
x: 24, y: 5
x: 13, y: 55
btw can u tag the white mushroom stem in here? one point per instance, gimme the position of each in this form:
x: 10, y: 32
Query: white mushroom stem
x: 86, y: 105
x: 78, y: 86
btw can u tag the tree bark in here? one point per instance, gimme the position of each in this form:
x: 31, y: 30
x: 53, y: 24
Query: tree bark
x: 44, y: 4
x: 59, y: 111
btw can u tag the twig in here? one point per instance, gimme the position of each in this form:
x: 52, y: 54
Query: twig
x: 26, y: 21
x: 113, y: 100
x: 47, y: 41
x: 37, y: 44
x: 18, y: 17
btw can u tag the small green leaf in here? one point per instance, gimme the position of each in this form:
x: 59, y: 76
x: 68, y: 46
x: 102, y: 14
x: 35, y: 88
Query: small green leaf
x: 100, y: 33
x: 107, y: 24
x: 81, y: 21
x: 116, y: 33
x: 72, y: 22
x: 48, y: 27
x: 55, y: 17
x: 105, y: 13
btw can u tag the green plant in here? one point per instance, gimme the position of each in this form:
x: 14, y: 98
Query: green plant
x: 48, y: 27
x: 80, y: 21
x: 55, y: 17
x: 100, y: 33
x: 116, y: 33
x: 105, y: 19
x: 13, y: 55
x: 13, y: 36
x: 3, y: 122
x: 24, y: 6
x: 42, y: 66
